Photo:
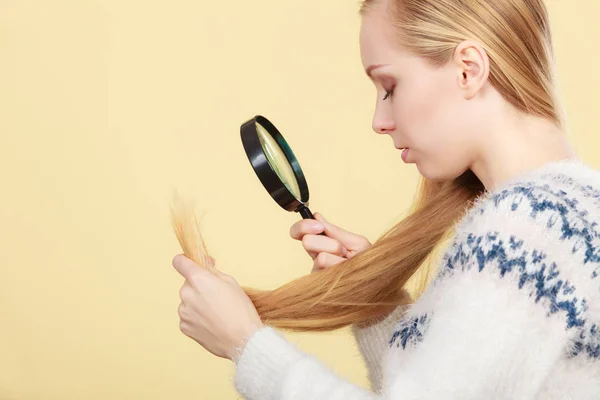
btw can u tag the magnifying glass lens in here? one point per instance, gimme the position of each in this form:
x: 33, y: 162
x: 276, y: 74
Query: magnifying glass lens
x: 278, y: 161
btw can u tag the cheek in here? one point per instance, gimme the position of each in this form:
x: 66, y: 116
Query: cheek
x: 426, y: 116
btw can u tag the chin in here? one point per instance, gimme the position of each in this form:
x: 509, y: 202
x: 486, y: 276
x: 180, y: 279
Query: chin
x: 436, y: 173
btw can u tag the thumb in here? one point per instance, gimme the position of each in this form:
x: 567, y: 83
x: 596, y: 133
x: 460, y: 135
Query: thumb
x: 185, y: 266
x: 347, y: 239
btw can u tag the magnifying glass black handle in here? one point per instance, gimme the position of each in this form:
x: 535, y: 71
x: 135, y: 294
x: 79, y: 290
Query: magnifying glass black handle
x: 307, y: 214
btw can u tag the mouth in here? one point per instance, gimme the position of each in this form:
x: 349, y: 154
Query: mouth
x: 405, y: 152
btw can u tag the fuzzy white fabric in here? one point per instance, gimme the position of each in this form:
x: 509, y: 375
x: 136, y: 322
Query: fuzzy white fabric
x: 514, y: 312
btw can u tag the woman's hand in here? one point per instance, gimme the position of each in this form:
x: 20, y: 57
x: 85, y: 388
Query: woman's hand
x: 214, y: 311
x: 339, y: 245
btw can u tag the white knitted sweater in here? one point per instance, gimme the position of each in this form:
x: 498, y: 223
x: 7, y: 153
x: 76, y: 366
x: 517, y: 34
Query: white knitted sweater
x: 514, y: 312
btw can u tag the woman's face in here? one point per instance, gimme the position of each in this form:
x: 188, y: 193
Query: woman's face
x: 419, y: 106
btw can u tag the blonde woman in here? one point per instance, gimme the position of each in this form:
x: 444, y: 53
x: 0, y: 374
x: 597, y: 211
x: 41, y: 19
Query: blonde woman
x: 512, y: 309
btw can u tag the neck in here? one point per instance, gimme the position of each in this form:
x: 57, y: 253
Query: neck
x: 524, y: 143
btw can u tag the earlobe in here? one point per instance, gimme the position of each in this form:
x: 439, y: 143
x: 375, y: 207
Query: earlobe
x: 470, y: 83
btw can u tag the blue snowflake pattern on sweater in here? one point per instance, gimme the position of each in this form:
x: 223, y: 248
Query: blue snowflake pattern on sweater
x: 410, y: 331
x: 536, y: 273
x: 541, y: 276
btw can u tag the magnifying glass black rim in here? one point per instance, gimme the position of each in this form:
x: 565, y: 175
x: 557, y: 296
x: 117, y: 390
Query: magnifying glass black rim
x: 265, y: 172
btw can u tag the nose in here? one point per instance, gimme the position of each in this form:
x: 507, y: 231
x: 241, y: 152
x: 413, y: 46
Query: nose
x: 382, y: 122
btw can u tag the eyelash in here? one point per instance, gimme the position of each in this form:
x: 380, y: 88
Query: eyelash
x: 388, y: 93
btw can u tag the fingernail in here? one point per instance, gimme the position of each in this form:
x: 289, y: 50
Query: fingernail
x: 317, y: 225
x: 322, y: 217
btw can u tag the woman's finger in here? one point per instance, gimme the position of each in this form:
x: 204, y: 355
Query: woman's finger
x: 184, y: 266
x: 315, y: 244
x: 304, y: 227
x: 346, y: 238
x: 326, y: 260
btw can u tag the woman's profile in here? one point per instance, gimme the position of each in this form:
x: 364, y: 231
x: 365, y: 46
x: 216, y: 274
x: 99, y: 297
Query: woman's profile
x: 511, y: 310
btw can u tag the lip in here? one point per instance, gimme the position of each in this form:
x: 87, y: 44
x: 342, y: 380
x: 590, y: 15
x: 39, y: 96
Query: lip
x: 405, y: 154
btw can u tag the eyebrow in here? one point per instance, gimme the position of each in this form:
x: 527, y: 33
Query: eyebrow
x: 372, y: 67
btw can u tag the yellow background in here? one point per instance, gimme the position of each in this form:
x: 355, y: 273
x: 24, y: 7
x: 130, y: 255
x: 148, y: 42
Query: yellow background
x: 106, y: 107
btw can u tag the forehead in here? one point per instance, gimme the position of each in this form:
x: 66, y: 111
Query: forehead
x: 378, y: 44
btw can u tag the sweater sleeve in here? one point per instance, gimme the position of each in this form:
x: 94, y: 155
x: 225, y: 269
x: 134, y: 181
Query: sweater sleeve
x: 267, y: 354
x: 272, y: 368
x: 492, y: 325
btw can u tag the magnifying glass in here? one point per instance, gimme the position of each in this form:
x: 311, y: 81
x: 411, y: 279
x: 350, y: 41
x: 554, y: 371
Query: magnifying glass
x: 276, y: 165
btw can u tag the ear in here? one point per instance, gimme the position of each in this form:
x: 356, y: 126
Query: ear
x: 473, y: 67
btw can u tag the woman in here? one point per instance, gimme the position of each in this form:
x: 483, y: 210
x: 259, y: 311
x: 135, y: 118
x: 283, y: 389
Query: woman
x: 513, y: 312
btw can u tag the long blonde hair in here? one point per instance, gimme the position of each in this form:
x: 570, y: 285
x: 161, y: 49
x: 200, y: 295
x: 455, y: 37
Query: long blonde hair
x: 365, y: 288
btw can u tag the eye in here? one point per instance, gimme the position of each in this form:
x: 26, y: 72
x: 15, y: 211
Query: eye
x: 388, y: 93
